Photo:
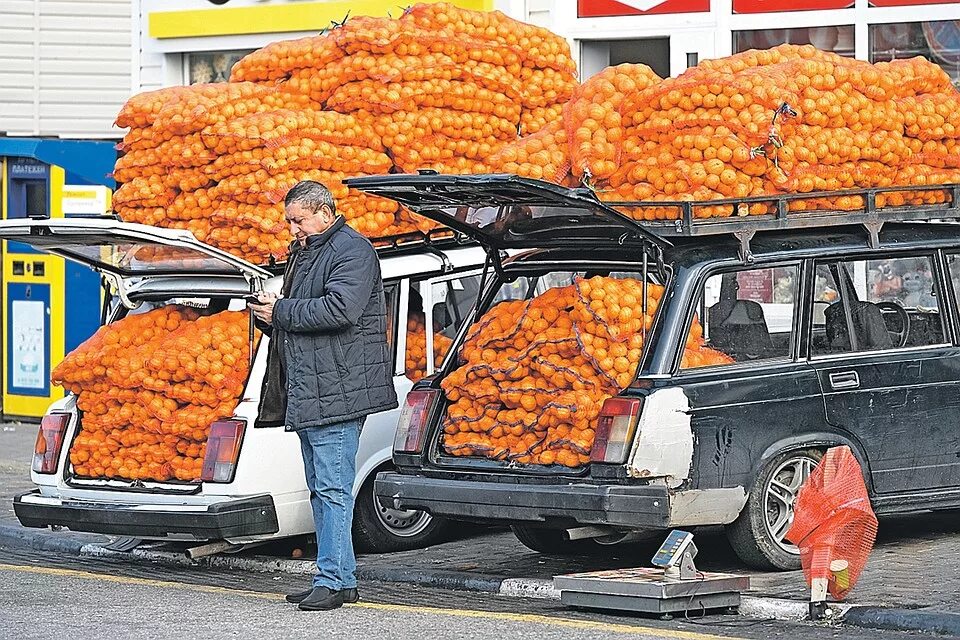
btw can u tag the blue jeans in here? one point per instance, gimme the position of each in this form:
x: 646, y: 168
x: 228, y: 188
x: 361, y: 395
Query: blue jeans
x: 330, y: 463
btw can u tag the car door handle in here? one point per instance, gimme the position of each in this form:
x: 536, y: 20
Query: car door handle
x: 844, y: 380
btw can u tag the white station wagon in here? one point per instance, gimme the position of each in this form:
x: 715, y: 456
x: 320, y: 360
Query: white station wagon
x: 258, y: 491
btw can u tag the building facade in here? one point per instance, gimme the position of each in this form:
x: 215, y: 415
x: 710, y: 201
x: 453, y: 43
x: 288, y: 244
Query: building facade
x: 65, y: 66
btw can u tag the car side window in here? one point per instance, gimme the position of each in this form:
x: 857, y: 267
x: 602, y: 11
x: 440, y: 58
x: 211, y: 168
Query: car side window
x: 391, y: 292
x: 747, y: 316
x: 873, y: 305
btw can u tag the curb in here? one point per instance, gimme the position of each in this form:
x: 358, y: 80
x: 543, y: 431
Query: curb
x: 890, y: 619
x: 33, y: 539
x: 758, y: 607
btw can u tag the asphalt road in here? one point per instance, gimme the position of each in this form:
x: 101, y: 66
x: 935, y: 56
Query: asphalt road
x: 50, y: 597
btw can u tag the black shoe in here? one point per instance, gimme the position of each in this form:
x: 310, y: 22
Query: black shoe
x: 297, y: 598
x: 351, y: 595
x: 322, y: 599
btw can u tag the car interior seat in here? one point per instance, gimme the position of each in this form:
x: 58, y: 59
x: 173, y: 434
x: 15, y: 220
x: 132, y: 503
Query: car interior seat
x: 738, y: 327
x: 868, y: 326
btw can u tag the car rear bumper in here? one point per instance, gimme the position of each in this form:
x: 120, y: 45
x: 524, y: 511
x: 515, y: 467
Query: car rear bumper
x: 644, y: 506
x: 253, y: 516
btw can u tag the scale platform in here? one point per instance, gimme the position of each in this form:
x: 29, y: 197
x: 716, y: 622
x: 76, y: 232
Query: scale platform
x: 647, y: 590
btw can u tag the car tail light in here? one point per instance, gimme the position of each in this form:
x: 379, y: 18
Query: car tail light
x: 412, y: 425
x: 223, y: 447
x: 46, y: 452
x: 615, y: 428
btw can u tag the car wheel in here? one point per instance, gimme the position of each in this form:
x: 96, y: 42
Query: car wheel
x: 757, y: 535
x: 379, y: 529
x: 552, y: 541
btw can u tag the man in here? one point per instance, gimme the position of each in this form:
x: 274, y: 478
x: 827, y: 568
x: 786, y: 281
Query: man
x: 329, y: 363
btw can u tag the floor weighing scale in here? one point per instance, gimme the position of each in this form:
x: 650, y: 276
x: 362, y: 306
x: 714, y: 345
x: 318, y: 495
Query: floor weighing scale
x: 673, y: 585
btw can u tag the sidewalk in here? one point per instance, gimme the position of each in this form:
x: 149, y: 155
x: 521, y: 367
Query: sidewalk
x: 909, y: 582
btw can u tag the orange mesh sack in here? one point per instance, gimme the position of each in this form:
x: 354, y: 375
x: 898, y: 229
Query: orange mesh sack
x: 834, y: 525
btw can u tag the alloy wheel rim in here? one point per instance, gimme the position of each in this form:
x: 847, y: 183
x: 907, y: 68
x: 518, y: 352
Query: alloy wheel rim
x: 780, y: 496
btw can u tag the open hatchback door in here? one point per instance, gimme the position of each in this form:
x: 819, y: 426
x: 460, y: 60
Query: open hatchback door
x: 128, y: 253
x: 503, y: 211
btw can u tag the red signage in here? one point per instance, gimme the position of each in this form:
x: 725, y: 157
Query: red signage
x: 604, y: 8
x: 774, y: 6
x: 903, y: 3
x: 755, y: 285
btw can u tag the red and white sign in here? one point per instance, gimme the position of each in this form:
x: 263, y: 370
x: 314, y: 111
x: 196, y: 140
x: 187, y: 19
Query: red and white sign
x: 774, y: 6
x: 904, y: 3
x: 605, y: 8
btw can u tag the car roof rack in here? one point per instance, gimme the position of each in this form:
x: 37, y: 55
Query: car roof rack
x: 744, y: 226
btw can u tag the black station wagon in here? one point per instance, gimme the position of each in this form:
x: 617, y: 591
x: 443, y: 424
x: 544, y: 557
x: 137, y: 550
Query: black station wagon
x: 838, y: 328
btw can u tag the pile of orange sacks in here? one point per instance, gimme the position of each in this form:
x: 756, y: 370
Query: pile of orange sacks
x: 535, y: 373
x: 149, y: 386
x: 791, y: 119
x: 439, y: 87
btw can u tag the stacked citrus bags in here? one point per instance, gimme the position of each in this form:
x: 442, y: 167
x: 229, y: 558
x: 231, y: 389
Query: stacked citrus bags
x: 149, y: 386
x: 536, y: 373
x: 416, y: 355
x: 791, y: 119
x: 438, y: 87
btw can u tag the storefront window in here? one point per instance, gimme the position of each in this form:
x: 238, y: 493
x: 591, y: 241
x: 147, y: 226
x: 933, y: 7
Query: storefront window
x: 837, y: 39
x: 211, y: 66
x: 937, y: 41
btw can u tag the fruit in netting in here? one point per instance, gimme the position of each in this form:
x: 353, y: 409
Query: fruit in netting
x: 416, y: 356
x: 542, y: 156
x: 266, y: 218
x: 592, y: 118
x: 207, y: 104
x: 142, y: 109
x: 145, y: 191
x: 370, y: 215
x: 537, y: 46
x: 250, y: 241
x: 301, y: 154
x: 104, y: 356
x: 537, y: 118
x: 278, y: 60
x: 457, y: 95
x: 149, y: 386
x: 536, y: 372
x: 262, y: 187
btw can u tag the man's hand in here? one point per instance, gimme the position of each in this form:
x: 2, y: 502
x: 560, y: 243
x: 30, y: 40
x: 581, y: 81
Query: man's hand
x: 264, y: 310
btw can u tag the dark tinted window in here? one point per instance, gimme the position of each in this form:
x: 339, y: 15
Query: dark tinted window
x: 886, y: 303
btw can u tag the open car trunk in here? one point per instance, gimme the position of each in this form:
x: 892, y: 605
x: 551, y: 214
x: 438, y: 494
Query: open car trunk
x: 149, y: 269
x: 550, y: 344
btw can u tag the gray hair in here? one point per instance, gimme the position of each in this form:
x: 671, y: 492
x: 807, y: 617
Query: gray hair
x: 308, y: 193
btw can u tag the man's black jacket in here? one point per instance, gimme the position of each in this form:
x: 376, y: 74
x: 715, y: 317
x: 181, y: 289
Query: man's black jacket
x: 328, y: 359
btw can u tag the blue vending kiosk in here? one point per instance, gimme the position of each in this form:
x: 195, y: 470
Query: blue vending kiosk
x: 49, y: 305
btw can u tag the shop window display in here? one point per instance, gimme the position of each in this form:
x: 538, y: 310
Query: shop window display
x: 938, y: 41
x: 211, y: 66
x: 838, y: 39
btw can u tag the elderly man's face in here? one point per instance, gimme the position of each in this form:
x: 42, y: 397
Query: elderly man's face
x: 305, y: 222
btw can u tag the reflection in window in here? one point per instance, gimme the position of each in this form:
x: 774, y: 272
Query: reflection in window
x: 212, y: 66
x: 749, y: 316
x: 838, y: 39
x: 886, y: 304
x: 938, y: 41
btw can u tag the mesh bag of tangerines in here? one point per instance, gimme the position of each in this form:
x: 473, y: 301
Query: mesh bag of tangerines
x: 535, y: 373
x: 149, y: 386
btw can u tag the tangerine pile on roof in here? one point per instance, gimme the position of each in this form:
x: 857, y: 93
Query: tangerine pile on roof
x: 438, y: 87
x: 149, y: 386
x: 791, y: 119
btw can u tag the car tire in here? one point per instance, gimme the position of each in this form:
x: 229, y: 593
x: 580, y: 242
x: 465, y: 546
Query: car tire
x: 377, y: 529
x: 552, y: 542
x: 757, y: 534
